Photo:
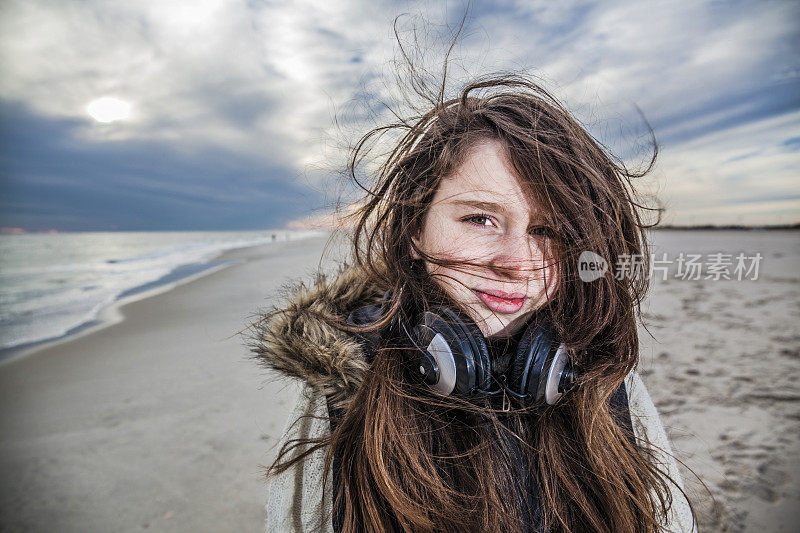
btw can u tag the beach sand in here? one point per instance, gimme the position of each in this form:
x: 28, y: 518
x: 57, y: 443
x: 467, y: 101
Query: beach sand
x: 155, y: 423
x: 160, y: 423
x: 722, y: 366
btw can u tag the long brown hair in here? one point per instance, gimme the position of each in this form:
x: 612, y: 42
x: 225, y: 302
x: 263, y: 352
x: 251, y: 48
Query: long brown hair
x: 415, y: 461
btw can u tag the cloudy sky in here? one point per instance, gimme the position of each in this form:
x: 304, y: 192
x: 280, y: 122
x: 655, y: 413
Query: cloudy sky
x: 234, y: 104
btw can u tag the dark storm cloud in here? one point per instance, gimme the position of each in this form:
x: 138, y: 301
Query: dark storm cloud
x: 51, y: 180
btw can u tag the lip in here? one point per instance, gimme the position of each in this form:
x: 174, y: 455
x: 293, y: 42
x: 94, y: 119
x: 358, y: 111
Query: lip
x: 502, y: 302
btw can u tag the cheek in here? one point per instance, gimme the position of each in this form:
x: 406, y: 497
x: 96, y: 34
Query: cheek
x: 441, y: 239
x: 545, y: 270
x: 550, y: 275
x: 551, y: 281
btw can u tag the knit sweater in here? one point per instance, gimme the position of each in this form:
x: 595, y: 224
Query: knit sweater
x: 331, y: 364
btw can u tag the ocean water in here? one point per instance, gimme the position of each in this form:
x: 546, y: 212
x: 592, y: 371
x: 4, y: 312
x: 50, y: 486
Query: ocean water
x: 52, y: 285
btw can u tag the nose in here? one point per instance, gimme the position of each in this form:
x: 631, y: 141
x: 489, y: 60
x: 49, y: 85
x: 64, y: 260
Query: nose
x: 513, y: 257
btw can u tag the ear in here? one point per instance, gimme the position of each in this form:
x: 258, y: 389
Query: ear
x: 414, y: 254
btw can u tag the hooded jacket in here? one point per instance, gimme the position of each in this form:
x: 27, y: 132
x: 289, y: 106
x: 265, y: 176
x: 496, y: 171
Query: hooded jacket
x: 330, y: 365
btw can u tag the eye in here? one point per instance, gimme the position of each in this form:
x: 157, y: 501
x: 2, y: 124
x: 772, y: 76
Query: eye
x: 478, y: 220
x: 541, y: 231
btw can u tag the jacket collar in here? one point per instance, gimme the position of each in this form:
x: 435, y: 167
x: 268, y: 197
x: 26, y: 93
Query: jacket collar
x: 297, y: 342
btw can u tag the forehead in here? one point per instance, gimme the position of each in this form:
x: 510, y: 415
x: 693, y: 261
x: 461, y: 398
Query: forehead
x: 485, y: 175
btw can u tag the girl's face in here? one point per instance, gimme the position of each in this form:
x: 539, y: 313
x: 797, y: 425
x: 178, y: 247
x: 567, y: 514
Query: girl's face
x: 480, y: 214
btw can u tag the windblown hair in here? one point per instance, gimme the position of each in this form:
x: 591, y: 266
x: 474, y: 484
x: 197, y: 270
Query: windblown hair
x: 415, y: 461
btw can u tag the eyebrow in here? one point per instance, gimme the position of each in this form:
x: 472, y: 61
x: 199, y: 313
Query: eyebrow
x: 478, y: 204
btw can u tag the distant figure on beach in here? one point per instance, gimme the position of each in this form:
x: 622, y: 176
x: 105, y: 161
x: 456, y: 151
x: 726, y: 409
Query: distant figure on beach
x: 467, y: 370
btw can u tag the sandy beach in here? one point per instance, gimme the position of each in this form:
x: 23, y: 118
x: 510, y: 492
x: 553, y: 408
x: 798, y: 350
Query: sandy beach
x: 160, y: 421
x: 722, y: 366
x: 156, y: 423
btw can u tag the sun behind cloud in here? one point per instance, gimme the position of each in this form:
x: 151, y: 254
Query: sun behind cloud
x: 108, y: 109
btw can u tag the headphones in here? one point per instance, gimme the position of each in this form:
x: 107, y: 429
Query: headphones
x: 455, y: 360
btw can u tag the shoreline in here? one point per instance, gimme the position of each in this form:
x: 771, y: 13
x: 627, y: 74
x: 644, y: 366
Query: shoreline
x: 111, y: 314
x: 729, y: 227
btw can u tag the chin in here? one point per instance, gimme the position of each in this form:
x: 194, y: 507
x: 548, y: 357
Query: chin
x: 491, y: 326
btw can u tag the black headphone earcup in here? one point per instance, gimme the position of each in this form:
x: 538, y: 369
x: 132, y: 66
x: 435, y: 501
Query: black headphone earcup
x: 457, y: 345
x: 472, y: 334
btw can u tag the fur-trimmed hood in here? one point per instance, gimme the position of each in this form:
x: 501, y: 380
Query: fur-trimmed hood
x: 296, y: 341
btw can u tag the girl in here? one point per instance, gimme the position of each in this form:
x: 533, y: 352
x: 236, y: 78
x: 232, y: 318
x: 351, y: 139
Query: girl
x: 462, y: 374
